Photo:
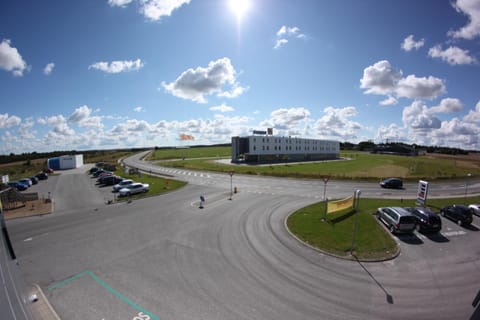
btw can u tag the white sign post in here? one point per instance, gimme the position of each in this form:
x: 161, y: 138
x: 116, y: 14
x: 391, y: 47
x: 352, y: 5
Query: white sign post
x: 422, y: 192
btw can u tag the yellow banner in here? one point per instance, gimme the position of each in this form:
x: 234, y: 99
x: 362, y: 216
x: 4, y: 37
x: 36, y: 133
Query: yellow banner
x: 334, y: 206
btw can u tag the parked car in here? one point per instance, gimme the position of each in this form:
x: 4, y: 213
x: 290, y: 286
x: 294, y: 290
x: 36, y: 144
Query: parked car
x: 461, y: 214
x: 93, y: 170
x: 427, y: 220
x: 104, y: 174
x: 42, y: 176
x: 26, y: 182
x: 398, y: 220
x: 134, y: 188
x: 34, y: 180
x: 475, y: 209
x: 122, y: 185
x: 17, y: 185
x: 394, y: 183
x: 111, y: 180
x: 99, y: 172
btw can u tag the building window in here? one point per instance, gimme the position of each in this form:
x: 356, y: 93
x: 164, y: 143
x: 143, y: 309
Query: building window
x: 254, y: 148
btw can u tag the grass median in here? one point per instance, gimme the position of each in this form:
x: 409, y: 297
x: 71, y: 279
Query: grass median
x: 158, y: 185
x: 335, y: 234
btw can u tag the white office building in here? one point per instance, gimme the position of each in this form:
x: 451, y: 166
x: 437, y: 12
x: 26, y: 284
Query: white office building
x: 269, y: 148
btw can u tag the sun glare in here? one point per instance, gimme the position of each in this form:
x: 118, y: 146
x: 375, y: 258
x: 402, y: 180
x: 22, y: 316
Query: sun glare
x: 239, y: 7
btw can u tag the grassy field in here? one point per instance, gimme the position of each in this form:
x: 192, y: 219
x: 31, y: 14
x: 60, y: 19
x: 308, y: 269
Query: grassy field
x: 158, y: 185
x: 360, y: 166
x: 335, y: 234
x: 199, y: 152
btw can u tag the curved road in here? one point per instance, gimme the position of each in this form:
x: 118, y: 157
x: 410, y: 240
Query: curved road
x: 164, y: 258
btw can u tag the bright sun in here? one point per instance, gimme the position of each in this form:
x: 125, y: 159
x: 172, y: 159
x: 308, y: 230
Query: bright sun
x: 239, y: 7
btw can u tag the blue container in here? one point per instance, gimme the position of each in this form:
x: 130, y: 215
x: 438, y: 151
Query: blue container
x: 54, y: 163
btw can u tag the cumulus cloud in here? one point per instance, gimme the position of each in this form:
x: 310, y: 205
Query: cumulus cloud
x: 473, y: 116
x: 285, y: 33
x: 452, y: 55
x: 286, y: 119
x: 448, y: 105
x: 195, y: 84
x: 139, y: 109
x: 48, y: 68
x: 409, y: 43
x: 418, y: 117
x: 11, y: 60
x: 59, y: 125
x: 389, y: 101
x: 336, y: 123
x: 222, y: 108
x: 7, y: 121
x: 82, y: 117
x: 470, y: 8
x: 382, y: 79
x: 117, y: 66
x: 392, y: 132
x: 152, y: 9
x: 119, y: 3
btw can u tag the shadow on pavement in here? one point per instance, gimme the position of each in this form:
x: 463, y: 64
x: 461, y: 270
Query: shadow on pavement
x: 388, y: 297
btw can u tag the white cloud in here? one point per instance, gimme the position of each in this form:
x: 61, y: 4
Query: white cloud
x: 234, y: 92
x: 473, y: 116
x: 425, y: 87
x: 11, y: 60
x: 452, y: 55
x: 222, y: 108
x: 139, y: 109
x: 82, y: 117
x: 448, y: 105
x: 287, y: 32
x: 381, y: 78
x: 48, y: 68
x: 7, y: 121
x: 156, y: 9
x: 336, y: 123
x: 195, y: 84
x: 418, y: 117
x: 119, y: 3
x: 392, y: 132
x: 471, y: 8
x: 280, y: 43
x: 409, y: 43
x: 286, y: 119
x: 59, y: 125
x: 118, y: 66
x: 389, y: 101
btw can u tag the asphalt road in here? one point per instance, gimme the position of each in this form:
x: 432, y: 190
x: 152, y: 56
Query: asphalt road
x: 165, y: 258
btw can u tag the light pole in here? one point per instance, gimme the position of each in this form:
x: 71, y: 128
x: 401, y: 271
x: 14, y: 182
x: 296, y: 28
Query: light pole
x: 466, y: 186
x: 325, y: 181
x: 355, y: 204
x: 231, y: 185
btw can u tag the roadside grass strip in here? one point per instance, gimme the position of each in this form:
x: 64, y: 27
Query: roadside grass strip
x: 140, y: 313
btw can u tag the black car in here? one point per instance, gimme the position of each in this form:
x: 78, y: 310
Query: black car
x: 111, y: 180
x: 33, y: 179
x: 461, y: 214
x: 42, y: 176
x: 394, y: 183
x: 427, y: 220
x: 93, y: 170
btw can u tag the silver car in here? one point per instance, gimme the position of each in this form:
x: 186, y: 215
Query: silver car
x: 123, y: 184
x: 397, y: 219
x: 475, y: 209
x: 134, y: 188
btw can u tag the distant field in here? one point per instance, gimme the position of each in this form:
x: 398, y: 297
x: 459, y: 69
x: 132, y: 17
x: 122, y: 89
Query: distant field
x: 360, y: 166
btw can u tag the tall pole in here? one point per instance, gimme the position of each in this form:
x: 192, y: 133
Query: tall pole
x: 325, y: 181
x: 231, y: 185
x: 356, y: 199
x: 466, y: 186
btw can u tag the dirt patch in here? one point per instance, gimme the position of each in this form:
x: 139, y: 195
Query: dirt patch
x: 31, y: 208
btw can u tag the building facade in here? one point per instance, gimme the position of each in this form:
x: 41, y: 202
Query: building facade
x: 66, y: 162
x: 268, y: 148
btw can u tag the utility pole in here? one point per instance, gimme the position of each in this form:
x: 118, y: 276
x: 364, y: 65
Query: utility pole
x: 231, y: 184
x: 356, y: 199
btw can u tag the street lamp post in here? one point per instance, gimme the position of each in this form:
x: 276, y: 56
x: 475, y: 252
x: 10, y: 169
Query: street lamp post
x: 355, y: 207
x: 325, y: 181
x: 231, y: 185
x: 466, y: 186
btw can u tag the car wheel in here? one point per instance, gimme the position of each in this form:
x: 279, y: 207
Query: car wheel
x: 442, y: 213
x: 459, y: 222
x: 392, y: 229
x: 417, y: 227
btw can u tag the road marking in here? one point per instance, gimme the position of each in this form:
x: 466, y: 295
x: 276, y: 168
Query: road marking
x: 453, y: 233
x: 28, y: 239
x: 105, y: 286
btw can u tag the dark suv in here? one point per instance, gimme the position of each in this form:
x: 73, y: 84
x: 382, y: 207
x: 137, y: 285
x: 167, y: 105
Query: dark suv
x: 461, y: 214
x: 427, y: 220
x: 397, y: 219
x: 394, y: 183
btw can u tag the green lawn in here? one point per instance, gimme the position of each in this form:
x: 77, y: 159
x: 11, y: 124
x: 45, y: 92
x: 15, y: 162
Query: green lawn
x: 158, y: 185
x: 197, y: 152
x: 335, y: 235
x: 361, y: 166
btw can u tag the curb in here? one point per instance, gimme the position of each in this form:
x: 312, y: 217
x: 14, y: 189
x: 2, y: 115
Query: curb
x: 348, y: 258
x: 47, y: 303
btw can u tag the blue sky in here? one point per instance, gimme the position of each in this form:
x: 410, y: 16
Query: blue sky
x: 96, y: 74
